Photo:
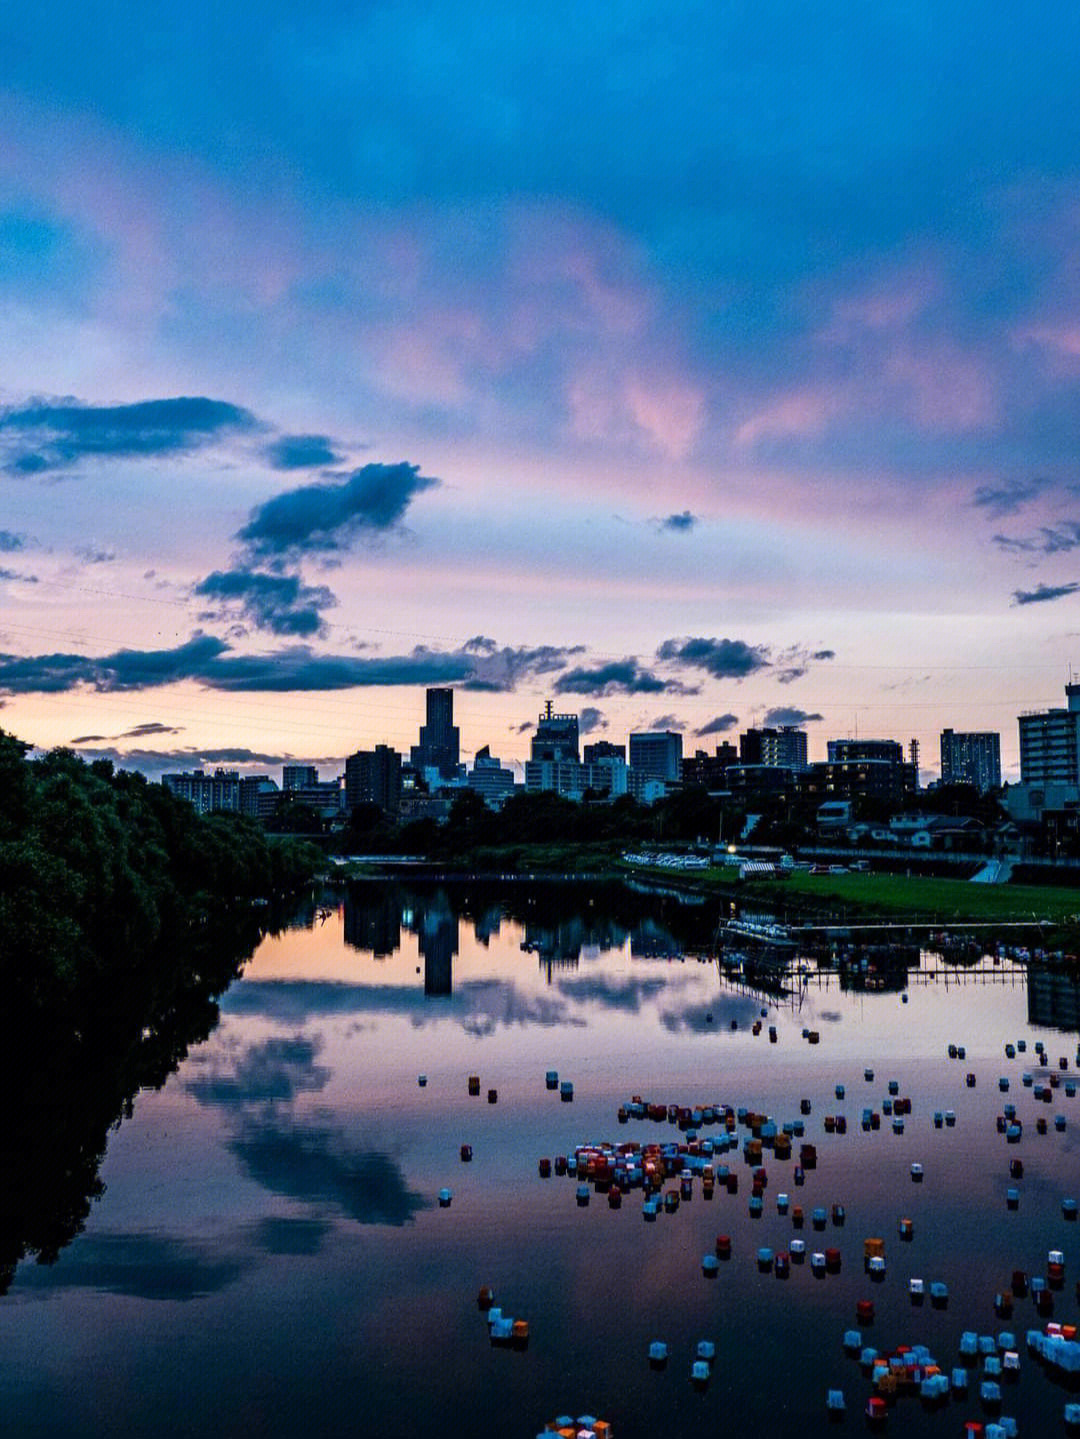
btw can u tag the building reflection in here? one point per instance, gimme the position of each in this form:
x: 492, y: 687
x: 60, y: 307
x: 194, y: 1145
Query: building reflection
x: 437, y: 938
x: 373, y: 920
x: 1053, y: 998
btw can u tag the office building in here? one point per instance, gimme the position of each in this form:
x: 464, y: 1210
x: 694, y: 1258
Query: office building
x: 298, y: 776
x: 1050, y: 743
x: 208, y: 793
x: 971, y: 758
x: 709, y: 771
x: 885, y: 751
x: 657, y: 755
x: 259, y: 796
x: 374, y: 777
x: 555, y: 776
x: 784, y: 747
x: 489, y: 779
x: 556, y: 736
x: 439, y: 749
x: 603, y: 749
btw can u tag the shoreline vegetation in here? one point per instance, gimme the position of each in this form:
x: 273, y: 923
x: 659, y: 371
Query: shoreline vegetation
x: 544, y: 834
x: 846, y: 898
x: 123, y: 915
x: 103, y: 873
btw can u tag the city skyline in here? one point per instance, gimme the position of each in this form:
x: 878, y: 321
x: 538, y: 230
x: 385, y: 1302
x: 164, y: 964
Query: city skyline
x: 697, y: 369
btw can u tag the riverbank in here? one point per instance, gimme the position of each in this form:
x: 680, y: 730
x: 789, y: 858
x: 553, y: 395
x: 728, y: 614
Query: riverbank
x: 902, y: 898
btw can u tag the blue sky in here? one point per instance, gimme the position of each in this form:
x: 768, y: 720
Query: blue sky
x: 372, y: 346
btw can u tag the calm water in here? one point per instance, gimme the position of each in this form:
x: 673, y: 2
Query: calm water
x: 269, y: 1256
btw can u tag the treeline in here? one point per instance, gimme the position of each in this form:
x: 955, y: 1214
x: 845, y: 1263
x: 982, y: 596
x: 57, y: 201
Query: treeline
x: 528, y: 819
x: 100, y: 869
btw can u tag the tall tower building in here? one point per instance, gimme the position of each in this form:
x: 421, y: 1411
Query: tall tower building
x: 973, y: 758
x: 556, y: 736
x: 440, y: 738
x: 1050, y: 743
x: 657, y: 755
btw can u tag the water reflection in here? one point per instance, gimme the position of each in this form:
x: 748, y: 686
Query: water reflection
x: 282, y: 1187
x: 142, y: 1266
x: 77, y: 1077
x: 317, y: 1166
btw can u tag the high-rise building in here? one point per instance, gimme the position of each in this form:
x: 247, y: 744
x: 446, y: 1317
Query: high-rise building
x: 971, y: 758
x: 709, y: 771
x: 784, y: 747
x: 842, y: 751
x: 259, y: 796
x: 440, y: 739
x: 556, y: 736
x: 374, y: 777
x: 489, y: 779
x: 219, y: 791
x: 603, y: 749
x: 657, y: 755
x: 299, y: 776
x: 1050, y: 743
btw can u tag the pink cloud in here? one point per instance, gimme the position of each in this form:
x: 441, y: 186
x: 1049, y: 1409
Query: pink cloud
x: 941, y: 387
x: 799, y: 413
x: 1062, y: 340
x: 892, y: 303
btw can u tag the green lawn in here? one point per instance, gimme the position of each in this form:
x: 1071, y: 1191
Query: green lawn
x: 943, y: 899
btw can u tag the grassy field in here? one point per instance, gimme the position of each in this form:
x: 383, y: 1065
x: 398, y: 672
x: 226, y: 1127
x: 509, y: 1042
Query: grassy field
x: 944, y: 899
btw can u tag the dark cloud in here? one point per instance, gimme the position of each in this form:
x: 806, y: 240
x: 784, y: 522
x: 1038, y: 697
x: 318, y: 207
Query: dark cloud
x: 142, y: 1266
x: 10, y: 542
x: 275, y: 1071
x: 1007, y: 498
x: 282, y: 604
x: 667, y: 722
x: 720, y: 725
x: 1048, y: 539
x: 301, y: 452
x: 1041, y: 593
x: 591, y: 719
x: 141, y: 731
x: 723, y: 659
x: 212, y: 663
x: 316, y: 1166
x: 785, y: 715
x: 46, y: 436
x: 156, y: 762
x: 794, y: 661
x: 327, y: 517
x: 497, y: 670
x: 679, y: 523
x: 91, y: 556
x: 616, y: 677
x: 523, y: 728
x: 6, y: 574
x: 300, y: 669
x: 122, y: 670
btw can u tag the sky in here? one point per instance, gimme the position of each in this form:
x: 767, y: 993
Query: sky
x: 695, y: 366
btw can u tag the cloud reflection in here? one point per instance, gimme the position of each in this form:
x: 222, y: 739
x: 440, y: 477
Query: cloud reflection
x: 313, y: 1164
x: 143, y: 1266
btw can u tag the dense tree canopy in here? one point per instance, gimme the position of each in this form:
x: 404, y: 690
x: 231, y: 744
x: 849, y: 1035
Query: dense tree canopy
x: 98, y: 866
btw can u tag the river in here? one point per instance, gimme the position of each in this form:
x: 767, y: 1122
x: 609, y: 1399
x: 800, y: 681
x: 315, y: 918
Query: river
x: 270, y: 1257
